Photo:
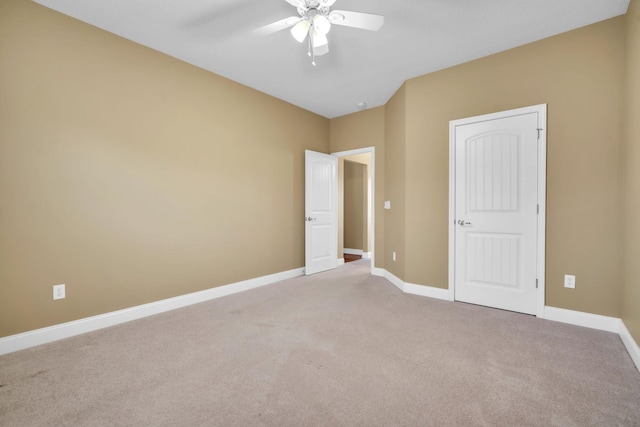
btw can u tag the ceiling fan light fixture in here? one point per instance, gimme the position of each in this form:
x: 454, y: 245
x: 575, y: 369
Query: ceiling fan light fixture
x: 314, y: 23
x: 318, y: 39
x: 321, y: 24
x: 300, y: 30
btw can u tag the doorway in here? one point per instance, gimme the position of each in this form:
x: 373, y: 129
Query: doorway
x: 356, y: 223
x: 355, y: 212
x: 497, y: 225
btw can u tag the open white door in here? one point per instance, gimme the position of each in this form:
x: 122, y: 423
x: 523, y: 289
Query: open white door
x: 321, y: 212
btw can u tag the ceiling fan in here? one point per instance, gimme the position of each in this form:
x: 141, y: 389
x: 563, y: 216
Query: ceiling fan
x: 315, y: 19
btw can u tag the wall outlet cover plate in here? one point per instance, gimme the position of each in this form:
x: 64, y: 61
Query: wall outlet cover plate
x: 569, y: 281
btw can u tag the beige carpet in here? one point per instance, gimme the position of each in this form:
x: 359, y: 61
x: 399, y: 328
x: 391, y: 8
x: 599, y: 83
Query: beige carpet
x: 340, y: 348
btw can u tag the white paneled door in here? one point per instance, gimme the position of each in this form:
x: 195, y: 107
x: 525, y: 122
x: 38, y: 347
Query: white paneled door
x: 496, y: 212
x: 321, y: 212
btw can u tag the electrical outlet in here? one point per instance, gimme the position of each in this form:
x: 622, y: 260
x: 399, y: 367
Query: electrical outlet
x: 569, y: 281
x: 59, y: 292
x: 393, y: 254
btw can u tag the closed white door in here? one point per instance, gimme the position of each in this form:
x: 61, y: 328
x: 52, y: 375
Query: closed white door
x: 496, y: 208
x: 321, y: 212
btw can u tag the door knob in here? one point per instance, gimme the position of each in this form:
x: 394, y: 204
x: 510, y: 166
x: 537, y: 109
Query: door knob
x: 463, y: 223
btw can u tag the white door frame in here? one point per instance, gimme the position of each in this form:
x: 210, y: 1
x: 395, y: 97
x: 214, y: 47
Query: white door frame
x: 372, y: 199
x: 541, y: 110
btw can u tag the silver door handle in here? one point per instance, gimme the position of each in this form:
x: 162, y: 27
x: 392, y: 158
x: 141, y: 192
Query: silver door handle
x: 464, y: 223
x: 308, y: 218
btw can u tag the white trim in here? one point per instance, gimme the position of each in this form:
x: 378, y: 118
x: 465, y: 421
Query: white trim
x: 579, y: 318
x: 65, y: 330
x: 630, y: 344
x: 572, y: 317
x: 596, y: 321
x: 375, y: 271
x: 372, y: 202
x: 428, y: 291
x: 542, y: 207
x: 366, y: 255
x: 412, y: 288
x: 352, y: 251
x: 541, y: 110
x: 340, y: 261
x: 395, y: 280
x: 451, y: 277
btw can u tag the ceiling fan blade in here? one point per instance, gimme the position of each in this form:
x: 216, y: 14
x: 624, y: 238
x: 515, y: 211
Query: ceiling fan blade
x: 277, y: 26
x: 295, y: 3
x: 328, y: 3
x: 366, y: 21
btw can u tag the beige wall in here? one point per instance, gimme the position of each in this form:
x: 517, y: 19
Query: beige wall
x: 361, y: 130
x: 131, y: 176
x: 631, y: 298
x: 355, y: 209
x: 395, y: 182
x: 578, y: 74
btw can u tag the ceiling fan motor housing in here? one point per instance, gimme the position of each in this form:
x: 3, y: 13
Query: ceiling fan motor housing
x: 308, y: 12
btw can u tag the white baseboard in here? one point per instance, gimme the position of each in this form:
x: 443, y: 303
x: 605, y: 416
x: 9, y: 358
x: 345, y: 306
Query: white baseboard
x: 597, y: 321
x: 65, y: 330
x: 397, y: 282
x: 376, y: 271
x: 579, y: 318
x: 428, y: 291
x: 411, y: 288
x: 340, y: 261
x: 352, y: 251
x: 630, y: 344
x: 366, y: 255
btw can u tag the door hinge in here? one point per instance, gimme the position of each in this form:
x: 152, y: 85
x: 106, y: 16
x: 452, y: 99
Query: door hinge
x: 536, y: 283
x: 538, y: 129
x: 538, y: 209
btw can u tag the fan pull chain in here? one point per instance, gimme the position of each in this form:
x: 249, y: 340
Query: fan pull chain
x: 310, y: 52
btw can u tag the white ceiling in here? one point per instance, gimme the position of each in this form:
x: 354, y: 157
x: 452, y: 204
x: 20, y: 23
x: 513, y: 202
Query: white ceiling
x: 418, y: 37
